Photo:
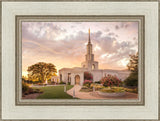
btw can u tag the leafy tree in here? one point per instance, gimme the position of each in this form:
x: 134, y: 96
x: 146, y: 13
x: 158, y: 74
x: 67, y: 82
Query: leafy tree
x: 25, y: 87
x: 24, y: 78
x: 41, y: 71
x: 133, y: 64
x: 132, y: 80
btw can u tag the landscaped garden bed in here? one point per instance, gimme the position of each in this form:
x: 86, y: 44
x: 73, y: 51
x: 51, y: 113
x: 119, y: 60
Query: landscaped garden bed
x: 117, y: 94
x: 109, y: 86
x: 26, y: 90
x: 114, y: 91
x: 86, y: 89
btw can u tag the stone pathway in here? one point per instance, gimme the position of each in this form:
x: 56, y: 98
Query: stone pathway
x: 95, y: 95
x: 81, y: 95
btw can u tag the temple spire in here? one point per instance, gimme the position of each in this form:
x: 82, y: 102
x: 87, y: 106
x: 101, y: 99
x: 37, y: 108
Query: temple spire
x: 89, y: 40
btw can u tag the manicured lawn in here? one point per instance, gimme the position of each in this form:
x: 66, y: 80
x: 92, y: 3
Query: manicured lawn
x: 54, y: 92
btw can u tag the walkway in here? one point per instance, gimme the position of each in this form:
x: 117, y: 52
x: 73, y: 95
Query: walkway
x: 95, y: 95
x: 81, y: 95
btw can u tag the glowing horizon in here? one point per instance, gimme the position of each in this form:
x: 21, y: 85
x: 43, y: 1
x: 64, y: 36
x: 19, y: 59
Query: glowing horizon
x: 64, y: 43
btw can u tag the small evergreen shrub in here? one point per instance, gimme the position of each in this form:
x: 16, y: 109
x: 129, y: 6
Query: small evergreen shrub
x: 97, y: 82
x: 87, y: 83
x: 132, y: 80
x: 25, y: 87
x: 96, y: 86
x: 61, y: 82
x: 69, y: 83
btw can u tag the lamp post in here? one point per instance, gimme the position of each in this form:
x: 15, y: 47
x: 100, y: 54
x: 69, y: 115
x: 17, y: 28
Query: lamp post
x: 65, y: 88
x: 74, y: 93
x: 93, y: 88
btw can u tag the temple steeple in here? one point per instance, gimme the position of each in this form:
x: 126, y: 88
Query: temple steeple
x: 89, y: 55
x: 89, y: 40
x: 89, y: 62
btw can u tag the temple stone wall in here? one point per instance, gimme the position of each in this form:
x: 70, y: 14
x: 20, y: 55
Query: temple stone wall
x: 97, y: 74
x: 121, y: 74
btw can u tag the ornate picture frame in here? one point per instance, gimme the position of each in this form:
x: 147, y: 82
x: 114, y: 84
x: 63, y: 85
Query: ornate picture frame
x: 88, y: 104
x: 20, y: 19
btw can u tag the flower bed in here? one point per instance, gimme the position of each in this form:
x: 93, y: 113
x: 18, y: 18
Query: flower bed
x: 113, y: 92
x: 97, y: 86
x: 87, y: 83
x: 111, y: 80
x: 135, y: 90
x: 86, y: 89
x: 117, y: 94
x: 28, y: 90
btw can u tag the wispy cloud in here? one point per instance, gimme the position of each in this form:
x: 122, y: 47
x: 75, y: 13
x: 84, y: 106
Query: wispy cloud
x: 63, y: 43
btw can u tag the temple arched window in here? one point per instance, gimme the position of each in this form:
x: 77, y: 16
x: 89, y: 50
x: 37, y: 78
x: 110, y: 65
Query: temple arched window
x: 93, y: 66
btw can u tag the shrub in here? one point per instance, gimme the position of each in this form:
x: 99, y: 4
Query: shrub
x: 27, y: 90
x: 132, y: 80
x: 52, y: 82
x: 131, y: 90
x: 61, y: 82
x: 25, y: 87
x: 113, y: 90
x: 30, y: 91
x: 87, y: 83
x: 45, y: 84
x: 88, y: 76
x: 40, y: 84
x: 97, y: 82
x: 69, y: 83
x: 96, y: 86
x: 37, y: 91
x: 49, y: 81
x: 26, y: 93
x: 37, y: 82
x: 110, y: 80
x: 41, y: 91
x: 85, y: 89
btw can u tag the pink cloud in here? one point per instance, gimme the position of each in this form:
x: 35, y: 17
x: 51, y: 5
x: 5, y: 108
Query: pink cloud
x: 63, y: 43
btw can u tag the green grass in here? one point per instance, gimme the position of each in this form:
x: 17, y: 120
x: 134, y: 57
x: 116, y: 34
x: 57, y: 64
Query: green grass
x: 54, y: 92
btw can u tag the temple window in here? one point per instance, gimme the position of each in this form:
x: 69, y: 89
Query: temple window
x: 93, y: 66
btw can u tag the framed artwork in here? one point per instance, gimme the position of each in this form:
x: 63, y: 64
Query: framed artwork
x: 92, y: 79
x: 80, y: 60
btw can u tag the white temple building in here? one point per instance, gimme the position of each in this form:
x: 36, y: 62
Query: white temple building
x: 76, y: 75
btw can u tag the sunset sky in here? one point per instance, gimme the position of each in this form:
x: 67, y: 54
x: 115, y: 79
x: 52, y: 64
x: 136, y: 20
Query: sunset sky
x: 64, y: 43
